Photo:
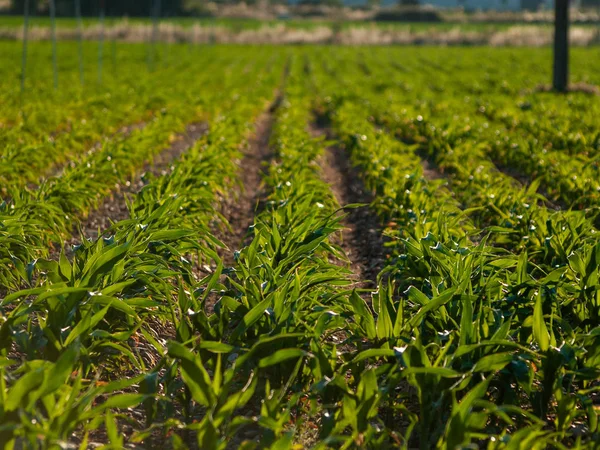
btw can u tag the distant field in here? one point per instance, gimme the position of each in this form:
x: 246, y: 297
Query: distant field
x: 296, y: 31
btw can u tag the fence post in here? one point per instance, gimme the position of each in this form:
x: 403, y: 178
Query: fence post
x: 24, y: 55
x: 155, y: 19
x: 101, y: 41
x: 79, y: 38
x: 53, y: 28
x: 561, y: 45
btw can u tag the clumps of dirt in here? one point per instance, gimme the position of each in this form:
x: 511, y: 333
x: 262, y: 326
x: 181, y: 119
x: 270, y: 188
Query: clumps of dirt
x: 430, y: 170
x: 362, y: 238
x: 581, y: 87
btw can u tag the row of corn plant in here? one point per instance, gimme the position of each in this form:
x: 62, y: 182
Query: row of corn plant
x: 88, y: 342
x: 466, y: 321
x: 260, y: 365
x: 516, y: 216
x: 34, y: 146
x: 435, y: 268
x: 523, y: 135
x: 32, y: 221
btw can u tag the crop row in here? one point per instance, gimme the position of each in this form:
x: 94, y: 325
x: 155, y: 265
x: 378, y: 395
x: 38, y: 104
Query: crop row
x: 33, y: 220
x: 520, y: 135
x: 45, y: 137
x: 88, y: 342
x: 491, y: 333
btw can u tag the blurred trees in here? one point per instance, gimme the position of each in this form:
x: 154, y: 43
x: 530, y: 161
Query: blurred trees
x: 113, y: 7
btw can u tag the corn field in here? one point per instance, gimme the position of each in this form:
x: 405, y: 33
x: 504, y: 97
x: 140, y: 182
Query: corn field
x: 299, y: 247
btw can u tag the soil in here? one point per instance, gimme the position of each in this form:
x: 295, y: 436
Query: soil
x: 584, y: 88
x: 240, y: 208
x: 525, y: 180
x: 362, y: 238
x: 430, y: 170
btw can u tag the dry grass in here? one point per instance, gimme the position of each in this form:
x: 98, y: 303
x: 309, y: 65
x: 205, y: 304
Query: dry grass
x: 518, y: 35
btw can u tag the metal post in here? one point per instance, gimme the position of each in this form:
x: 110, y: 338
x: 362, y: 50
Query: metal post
x: 53, y: 27
x: 101, y: 41
x: 561, y: 45
x: 24, y: 55
x: 167, y: 46
x: 156, y: 14
x: 114, y: 54
x: 79, y: 38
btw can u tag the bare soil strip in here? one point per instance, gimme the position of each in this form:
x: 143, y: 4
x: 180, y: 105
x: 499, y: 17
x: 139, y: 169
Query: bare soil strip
x: 362, y: 239
x: 430, y: 170
x: 239, y: 208
x: 114, y: 208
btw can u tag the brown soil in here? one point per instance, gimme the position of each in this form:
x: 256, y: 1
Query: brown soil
x: 362, y: 238
x: 430, y: 170
x: 583, y: 88
x: 114, y: 208
x: 511, y: 172
x: 239, y: 209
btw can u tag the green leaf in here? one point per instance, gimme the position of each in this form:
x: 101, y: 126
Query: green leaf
x: 250, y: 319
x: 280, y: 356
x: 540, y: 332
x: 194, y: 374
x: 216, y: 347
x: 494, y: 362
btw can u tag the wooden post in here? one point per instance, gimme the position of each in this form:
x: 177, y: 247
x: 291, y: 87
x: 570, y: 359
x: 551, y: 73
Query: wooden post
x: 53, y: 28
x: 79, y: 39
x: 561, y: 45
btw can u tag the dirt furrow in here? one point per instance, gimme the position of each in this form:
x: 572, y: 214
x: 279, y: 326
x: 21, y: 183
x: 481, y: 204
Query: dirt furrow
x: 430, y: 170
x: 240, y: 208
x: 114, y: 208
x: 362, y: 238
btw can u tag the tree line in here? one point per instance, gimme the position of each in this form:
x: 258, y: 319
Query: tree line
x: 133, y: 8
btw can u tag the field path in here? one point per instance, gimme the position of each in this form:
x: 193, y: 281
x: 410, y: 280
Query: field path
x: 362, y: 238
x: 239, y: 209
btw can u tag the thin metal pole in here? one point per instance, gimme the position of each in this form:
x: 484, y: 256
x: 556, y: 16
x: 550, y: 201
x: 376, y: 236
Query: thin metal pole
x: 149, y: 42
x: 167, y: 46
x: 156, y: 14
x: 114, y: 55
x: 561, y: 45
x: 24, y: 55
x: 101, y: 41
x: 79, y: 38
x: 53, y: 27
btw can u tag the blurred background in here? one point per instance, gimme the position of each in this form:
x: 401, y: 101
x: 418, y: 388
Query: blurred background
x: 435, y: 22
